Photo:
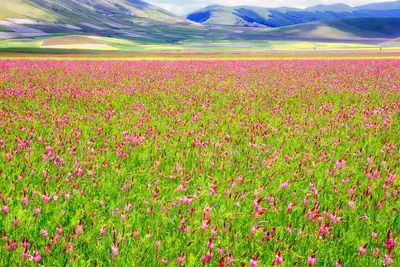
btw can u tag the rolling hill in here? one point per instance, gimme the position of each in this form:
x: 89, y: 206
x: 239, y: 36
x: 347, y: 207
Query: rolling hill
x: 132, y: 19
x: 251, y: 16
x: 78, y: 11
x: 366, y: 30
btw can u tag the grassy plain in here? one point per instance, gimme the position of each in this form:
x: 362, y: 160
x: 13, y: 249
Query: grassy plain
x: 76, y: 44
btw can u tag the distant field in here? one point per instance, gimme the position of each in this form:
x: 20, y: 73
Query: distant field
x: 86, y: 44
x: 75, y: 42
x: 68, y: 40
x: 2, y: 29
x: 193, y: 56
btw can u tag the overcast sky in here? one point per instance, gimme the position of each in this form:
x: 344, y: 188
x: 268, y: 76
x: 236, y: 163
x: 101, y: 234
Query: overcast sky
x: 183, y: 7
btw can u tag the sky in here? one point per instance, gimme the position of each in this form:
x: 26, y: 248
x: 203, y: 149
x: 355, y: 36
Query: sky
x: 183, y: 7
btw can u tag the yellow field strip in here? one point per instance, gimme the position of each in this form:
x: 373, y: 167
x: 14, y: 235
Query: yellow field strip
x: 202, y: 57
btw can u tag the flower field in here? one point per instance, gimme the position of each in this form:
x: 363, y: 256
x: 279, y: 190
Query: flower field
x: 200, y: 162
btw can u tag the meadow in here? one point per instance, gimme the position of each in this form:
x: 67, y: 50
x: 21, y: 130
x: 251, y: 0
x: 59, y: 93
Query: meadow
x: 200, y: 162
x: 89, y: 44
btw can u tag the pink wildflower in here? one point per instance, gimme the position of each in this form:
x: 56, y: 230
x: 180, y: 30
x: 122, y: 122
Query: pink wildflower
x: 182, y: 258
x: 253, y: 262
x: 311, y: 260
x: 362, y: 250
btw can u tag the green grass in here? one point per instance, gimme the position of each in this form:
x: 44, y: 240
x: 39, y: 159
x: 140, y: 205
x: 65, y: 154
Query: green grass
x: 4, y: 29
x: 199, y: 151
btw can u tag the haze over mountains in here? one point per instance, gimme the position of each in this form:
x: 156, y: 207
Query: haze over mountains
x: 56, y: 23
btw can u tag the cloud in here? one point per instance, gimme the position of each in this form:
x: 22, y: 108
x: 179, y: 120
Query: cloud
x: 183, y: 7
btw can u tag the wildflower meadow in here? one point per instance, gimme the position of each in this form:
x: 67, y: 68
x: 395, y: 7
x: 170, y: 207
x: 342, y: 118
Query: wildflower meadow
x: 200, y: 162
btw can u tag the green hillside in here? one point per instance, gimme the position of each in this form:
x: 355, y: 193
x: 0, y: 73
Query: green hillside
x: 368, y: 30
x: 128, y: 19
x: 77, y: 11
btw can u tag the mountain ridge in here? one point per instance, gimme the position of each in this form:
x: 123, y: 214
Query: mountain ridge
x: 254, y: 16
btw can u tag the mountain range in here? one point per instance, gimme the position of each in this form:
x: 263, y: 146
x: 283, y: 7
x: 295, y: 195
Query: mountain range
x: 118, y: 24
x: 284, y: 16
